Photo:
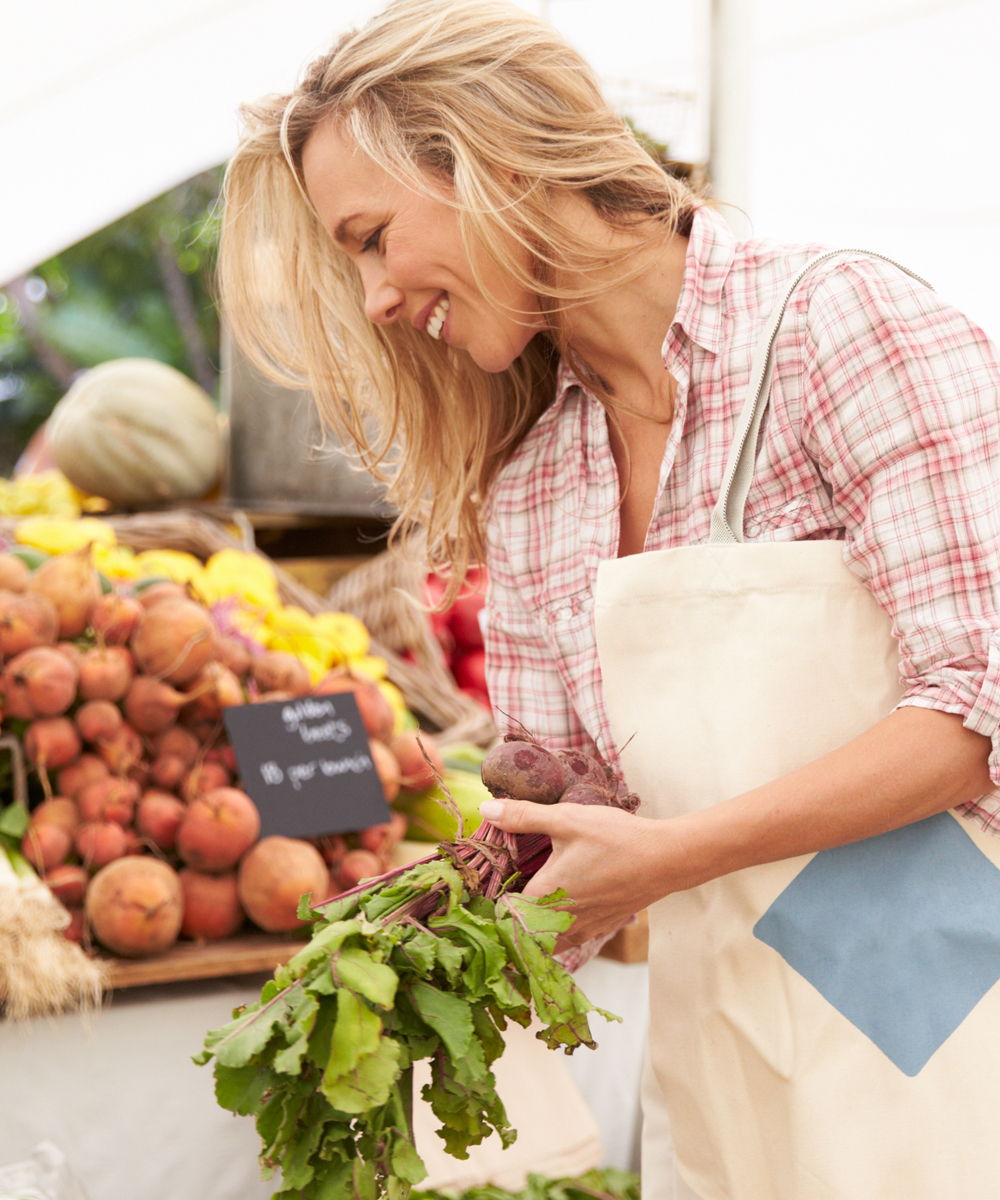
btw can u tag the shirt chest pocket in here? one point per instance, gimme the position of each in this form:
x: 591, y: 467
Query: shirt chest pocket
x: 792, y: 521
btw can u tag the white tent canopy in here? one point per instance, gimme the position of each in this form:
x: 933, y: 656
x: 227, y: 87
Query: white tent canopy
x: 105, y: 105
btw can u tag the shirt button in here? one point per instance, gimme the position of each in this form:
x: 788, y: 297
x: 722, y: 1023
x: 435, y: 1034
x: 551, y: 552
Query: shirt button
x: 563, y: 614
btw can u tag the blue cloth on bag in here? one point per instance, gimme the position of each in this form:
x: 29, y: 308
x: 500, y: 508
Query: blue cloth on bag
x: 900, y: 933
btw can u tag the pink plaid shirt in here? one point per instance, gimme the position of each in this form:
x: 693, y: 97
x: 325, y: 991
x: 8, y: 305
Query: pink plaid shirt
x: 883, y: 432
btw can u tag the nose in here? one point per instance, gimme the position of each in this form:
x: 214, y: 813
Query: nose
x: 383, y: 300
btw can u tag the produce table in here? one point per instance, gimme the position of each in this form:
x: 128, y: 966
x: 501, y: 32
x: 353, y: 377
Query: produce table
x: 118, y: 1093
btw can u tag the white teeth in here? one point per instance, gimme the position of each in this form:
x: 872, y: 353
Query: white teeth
x: 436, y: 321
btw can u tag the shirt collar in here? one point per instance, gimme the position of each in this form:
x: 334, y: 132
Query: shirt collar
x: 710, y: 255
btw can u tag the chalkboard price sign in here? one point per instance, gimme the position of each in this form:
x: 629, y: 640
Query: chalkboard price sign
x: 306, y: 764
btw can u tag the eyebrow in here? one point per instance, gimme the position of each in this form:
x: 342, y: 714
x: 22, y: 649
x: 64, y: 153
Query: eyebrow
x: 339, y: 234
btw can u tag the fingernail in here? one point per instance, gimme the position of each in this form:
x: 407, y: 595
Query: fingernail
x: 491, y: 810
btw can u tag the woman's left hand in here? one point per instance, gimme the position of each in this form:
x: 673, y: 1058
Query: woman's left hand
x: 610, y: 863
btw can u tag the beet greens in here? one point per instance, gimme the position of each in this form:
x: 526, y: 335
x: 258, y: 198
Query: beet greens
x: 427, y: 962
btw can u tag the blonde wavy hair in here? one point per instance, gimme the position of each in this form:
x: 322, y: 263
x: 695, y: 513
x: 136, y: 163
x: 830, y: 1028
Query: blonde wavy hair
x: 484, y: 97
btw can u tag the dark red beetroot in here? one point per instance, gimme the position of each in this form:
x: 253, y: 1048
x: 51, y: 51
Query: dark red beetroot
x: 212, y: 906
x: 88, y: 768
x: 61, y: 811
x: 587, y: 793
x: 98, y: 720
x: 110, y: 799
x: 100, y: 842
x: 39, y: 682
x: 67, y: 883
x: 376, y: 712
x: 217, y: 829
x: 115, y: 617
x: 45, y: 846
x: 582, y: 768
x: 105, y: 673
x: 51, y: 743
x: 524, y: 771
x: 158, y: 818
x: 415, y: 774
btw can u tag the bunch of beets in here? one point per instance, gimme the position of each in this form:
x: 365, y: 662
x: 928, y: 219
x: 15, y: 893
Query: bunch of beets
x: 425, y: 963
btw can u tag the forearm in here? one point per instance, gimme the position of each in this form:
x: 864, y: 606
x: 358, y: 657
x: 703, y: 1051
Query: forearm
x: 914, y: 763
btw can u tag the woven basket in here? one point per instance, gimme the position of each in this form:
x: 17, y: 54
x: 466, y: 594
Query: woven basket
x: 427, y: 687
x: 386, y: 594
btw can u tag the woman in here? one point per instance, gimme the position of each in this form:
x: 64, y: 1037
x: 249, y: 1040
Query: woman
x: 445, y: 227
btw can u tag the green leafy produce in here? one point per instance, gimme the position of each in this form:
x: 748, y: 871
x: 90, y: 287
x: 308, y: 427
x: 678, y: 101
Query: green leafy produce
x: 606, y: 1184
x: 427, y: 962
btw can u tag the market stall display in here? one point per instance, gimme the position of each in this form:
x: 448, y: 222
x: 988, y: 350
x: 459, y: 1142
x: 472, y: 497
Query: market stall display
x: 119, y: 661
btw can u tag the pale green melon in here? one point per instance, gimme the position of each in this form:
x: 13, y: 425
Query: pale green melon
x: 136, y: 431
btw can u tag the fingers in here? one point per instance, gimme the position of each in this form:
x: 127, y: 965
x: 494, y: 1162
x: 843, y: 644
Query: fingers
x: 520, y: 816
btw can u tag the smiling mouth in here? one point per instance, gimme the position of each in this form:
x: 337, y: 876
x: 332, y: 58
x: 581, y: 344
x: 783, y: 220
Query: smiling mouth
x: 435, y: 322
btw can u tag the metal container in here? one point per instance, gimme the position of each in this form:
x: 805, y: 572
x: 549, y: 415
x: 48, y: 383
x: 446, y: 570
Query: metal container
x: 278, y: 459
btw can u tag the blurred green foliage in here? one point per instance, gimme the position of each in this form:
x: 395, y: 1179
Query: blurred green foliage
x: 142, y: 286
x: 605, y: 1184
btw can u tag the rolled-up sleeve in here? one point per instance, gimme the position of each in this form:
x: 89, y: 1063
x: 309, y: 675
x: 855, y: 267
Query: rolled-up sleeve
x: 902, y: 414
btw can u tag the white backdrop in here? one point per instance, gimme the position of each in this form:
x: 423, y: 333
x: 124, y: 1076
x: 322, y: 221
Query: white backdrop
x: 106, y: 104
x: 868, y: 123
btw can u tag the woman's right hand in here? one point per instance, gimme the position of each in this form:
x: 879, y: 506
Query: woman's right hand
x: 610, y: 863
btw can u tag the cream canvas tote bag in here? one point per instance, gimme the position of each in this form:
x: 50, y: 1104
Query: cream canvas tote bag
x: 827, y: 1027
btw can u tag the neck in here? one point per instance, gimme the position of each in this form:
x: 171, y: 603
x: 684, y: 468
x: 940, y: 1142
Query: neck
x: 619, y: 334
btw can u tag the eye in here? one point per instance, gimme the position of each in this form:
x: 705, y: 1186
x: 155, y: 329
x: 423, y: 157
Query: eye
x: 373, y: 240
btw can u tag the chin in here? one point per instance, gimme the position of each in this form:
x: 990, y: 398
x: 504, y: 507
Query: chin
x: 495, y: 359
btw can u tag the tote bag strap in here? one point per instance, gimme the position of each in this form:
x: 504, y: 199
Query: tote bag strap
x: 727, y: 516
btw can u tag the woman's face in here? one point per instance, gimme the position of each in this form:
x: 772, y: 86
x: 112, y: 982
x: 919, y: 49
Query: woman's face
x: 408, y: 249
